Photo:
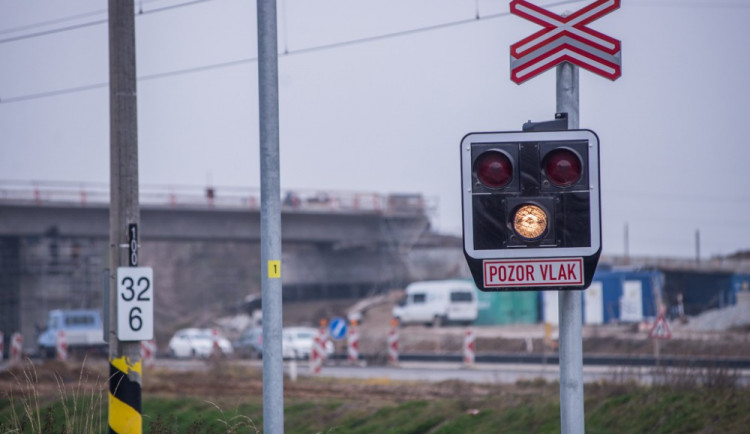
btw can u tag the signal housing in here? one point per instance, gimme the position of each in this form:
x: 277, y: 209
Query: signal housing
x: 554, y: 182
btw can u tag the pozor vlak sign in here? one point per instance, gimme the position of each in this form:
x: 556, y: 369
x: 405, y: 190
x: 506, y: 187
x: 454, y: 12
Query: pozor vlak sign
x: 531, y: 208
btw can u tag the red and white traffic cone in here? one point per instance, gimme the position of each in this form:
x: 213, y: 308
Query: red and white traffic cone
x: 352, y: 345
x: 16, y: 348
x: 148, y: 353
x: 469, y: 347
x: 61, y: 346
x: 393, y: 343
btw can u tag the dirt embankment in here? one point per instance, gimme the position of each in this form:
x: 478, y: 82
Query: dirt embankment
x: 695, y: 336
x: 689, y: 338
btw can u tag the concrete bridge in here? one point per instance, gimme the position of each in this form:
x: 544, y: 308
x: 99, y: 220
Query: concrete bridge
x: 204, y: 246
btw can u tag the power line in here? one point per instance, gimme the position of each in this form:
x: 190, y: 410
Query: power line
x: 162, y: 9
x: 53, y: 31
x: 50, y: 22
x: 51, y: 93
x: 81, y: 25
x: 678, y: 3
x: 312, y: 49
x: 68, y: 18
x: 237, y: 62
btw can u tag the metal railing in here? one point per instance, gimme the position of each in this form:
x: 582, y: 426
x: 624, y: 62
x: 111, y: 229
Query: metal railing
x: 221, y: 197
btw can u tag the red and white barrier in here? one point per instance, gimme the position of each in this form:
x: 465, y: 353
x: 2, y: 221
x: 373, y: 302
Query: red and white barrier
x: 393, y: 342
x: 148, y: 353
x: 16, y: 347
x: 352, y: 344
x: 61, y: 346
x: 469, y: 347
x: 215, y: 349
x: 2, y: 346
x: 318, y: 353
x: 316, y: 356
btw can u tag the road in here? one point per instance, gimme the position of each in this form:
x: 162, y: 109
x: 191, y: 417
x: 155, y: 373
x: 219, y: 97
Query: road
x: 488, y: 373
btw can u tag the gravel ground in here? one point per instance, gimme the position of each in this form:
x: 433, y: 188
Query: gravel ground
x: 733, y: 317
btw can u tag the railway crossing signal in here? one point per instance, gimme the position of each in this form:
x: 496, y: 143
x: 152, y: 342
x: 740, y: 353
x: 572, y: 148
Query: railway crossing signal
x: 564, y: 39
x: 531, y: 208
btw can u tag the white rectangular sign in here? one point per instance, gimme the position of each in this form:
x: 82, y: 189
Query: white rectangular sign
x: 500, y: 273
x: 135, y: 303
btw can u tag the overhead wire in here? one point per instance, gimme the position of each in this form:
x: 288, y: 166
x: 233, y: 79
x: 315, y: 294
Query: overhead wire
x: 67, y: 18
x: 236, y: 62
x: 649, y: 3
x: 288, y: 52
x: 51, y: 22
x: 82, y: 25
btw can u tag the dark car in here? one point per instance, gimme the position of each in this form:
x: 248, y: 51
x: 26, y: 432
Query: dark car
x: 250, y: 344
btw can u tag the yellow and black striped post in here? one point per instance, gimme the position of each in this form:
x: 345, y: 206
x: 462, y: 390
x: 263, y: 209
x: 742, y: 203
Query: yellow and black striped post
x: 125, y: 396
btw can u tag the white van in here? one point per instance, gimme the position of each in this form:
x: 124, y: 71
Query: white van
x: 438, y: 302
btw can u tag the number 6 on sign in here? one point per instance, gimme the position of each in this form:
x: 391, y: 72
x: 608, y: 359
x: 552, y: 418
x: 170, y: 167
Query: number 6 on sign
x: 135, y: 303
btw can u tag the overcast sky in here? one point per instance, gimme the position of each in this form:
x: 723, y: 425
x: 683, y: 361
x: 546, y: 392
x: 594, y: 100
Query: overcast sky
x: 364, y: 111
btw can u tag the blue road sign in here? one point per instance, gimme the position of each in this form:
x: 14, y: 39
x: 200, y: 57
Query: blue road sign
x: 337, y: 328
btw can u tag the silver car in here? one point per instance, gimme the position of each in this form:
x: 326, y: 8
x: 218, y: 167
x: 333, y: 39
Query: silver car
x: 195, y: 342
x: 297, y: 342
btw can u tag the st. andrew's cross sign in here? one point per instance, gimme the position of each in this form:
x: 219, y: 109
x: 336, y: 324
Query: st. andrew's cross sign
x: 564, y: 39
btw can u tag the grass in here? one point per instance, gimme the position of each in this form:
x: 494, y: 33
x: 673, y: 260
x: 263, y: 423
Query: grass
x: 78, y: 405
x: 27, y: 408
x: 193, y: 415
x: 609, y: 408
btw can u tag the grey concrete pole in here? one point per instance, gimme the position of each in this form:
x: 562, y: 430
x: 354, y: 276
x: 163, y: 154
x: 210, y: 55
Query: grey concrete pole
x: 570, y: 302
x: 124, y: 357
x: 270, y: 218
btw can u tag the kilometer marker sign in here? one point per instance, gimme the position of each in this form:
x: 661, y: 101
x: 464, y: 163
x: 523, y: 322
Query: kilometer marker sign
x: 501, y: 273
x: 564, y: 39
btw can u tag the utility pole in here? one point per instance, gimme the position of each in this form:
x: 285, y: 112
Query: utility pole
x: 270, y: 218
x: 697, y: 246
x: 570, y: 302
x: 124, y: 212
x: 627, y: 243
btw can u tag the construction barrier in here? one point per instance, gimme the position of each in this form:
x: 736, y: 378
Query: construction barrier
x: 61, y: 346
x: 317, y: 353
x: 469, y: 347
x: 148, y: 353
x: 393, y: 342
x: 216, y: 349
x: 16, y: 347
x: 352, y: 344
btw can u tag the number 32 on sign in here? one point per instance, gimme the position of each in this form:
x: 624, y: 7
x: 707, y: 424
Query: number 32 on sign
x: 533, y: 272
x: 135, y: 303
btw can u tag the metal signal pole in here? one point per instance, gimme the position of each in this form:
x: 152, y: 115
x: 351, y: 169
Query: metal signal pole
x: 270, y: 218
x: 124, y: 211
x: 570, y: 302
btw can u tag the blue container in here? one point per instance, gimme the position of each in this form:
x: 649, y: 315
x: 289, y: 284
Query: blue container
x: 703, y: 290
x: 629, y: 295
x: 615, y: 295
x: 740, y: 283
